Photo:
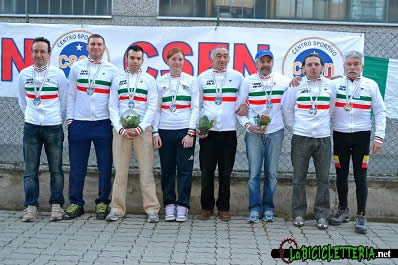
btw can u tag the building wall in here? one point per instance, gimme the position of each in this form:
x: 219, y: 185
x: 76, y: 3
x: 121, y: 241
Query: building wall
x: 380, y: 41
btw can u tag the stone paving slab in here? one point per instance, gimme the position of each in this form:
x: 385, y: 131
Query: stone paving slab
x: 133, y: 241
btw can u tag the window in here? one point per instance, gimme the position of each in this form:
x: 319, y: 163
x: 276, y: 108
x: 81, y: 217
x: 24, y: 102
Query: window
x: 56, y: 7
x: 372, y: 11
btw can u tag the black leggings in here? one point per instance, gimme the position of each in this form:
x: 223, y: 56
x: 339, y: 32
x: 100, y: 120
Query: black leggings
x: 356, y: 145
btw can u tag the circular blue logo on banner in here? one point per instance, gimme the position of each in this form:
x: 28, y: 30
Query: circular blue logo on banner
x: 71, y: 53
x: 300, y: 58
x: 69, y: 48
x: 327, y: 50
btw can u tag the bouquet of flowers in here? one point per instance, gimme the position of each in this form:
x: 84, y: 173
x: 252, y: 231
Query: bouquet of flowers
x: 205, y: 124
x: 130, y: 121
x: 262, y: 121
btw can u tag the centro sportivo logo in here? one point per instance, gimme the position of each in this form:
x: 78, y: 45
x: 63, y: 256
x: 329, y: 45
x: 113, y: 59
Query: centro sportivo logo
x: 329, y: 52
x: 70, y: 47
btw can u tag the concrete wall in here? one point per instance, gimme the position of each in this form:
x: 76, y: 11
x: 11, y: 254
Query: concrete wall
x: 382, y: 198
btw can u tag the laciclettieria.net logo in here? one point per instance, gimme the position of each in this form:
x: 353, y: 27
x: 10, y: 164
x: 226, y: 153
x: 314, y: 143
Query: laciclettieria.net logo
x: 290, y: 251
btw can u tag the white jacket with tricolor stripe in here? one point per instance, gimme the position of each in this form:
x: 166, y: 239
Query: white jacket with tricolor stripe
x: 296, y: 106
x: 82, y: 106
x: 366, y: 98
x: 51, y: 110
x: 224, y: 113
x: 187, y: 103
x: 253, y: 92
x: 145, y: 99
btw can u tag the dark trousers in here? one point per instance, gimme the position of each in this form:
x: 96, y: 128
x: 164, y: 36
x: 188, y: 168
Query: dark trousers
x: 81, y: 134
x: 34, y: 137
x: 303, y: 148
x: 174, y: 156
x: 355, y: 145
x: 217, y: 148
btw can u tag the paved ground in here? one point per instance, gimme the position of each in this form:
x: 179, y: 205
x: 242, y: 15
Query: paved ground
x: 133, y: 241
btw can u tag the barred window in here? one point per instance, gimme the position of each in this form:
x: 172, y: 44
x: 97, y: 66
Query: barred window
x: 367, y: 11
x: 56, y: 7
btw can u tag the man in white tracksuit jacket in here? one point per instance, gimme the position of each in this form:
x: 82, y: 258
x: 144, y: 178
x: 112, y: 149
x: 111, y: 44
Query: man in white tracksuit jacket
x: 42, y: 98
x: 356, y: 98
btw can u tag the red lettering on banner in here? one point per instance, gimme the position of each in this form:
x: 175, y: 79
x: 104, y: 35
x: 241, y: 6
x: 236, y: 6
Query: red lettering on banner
x: 329, y: 70
x: 186, y: 49
x: 10, y: 54
x: 243, y: 59
x: 150, y: 51
x: 204, y: 60
x: 263, y: 47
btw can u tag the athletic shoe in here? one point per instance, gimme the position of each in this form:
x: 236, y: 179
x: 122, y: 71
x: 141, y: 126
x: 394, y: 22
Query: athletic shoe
x: 322, y: 223
x: 30, y: 214
x: 113, y: 216
x: 254, y: 217
x: 73, y: 211
x: 298, y: 221
x: 360, y: 224
x: 170, y: 212
x: 153, y: 218
x: 101, y: 211
x: 57, y: 213
x: 182, y: 213
x: 342, y: 216
x: 269, y: 216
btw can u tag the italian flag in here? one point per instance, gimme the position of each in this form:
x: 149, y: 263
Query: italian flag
x: 385, y: 72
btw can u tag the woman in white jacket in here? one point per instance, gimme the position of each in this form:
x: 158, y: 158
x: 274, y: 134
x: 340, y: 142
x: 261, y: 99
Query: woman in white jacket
x: 174, y: 134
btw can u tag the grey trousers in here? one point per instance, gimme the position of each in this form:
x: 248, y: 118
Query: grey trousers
x: 303, y: 148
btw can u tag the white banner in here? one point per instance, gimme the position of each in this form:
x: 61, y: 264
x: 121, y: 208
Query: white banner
x: 69, y: 44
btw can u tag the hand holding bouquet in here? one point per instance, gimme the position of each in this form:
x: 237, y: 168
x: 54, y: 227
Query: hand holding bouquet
x: 262, y: 121
x: 205, y: 124
x: 130, y: 121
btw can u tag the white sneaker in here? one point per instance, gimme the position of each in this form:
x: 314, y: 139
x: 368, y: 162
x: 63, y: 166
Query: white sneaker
x: 30, y: 214
x: 57, y: 213
x: 182, y: 214
x: 153, y: 218
x: 170, y: 212
x: 113, y: 216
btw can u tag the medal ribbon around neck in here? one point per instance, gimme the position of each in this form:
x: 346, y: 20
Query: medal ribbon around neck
x: 132, y: 93
x: 268, y: 93
x: 174, y: 97
x: 349, y: 98
x: 39, y: 89
x: 313, y: 102
x: 91, y: 82
x: 219, y: 89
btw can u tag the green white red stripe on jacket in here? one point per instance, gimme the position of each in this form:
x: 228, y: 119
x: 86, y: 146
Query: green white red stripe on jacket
x: 366, y: 101
x: 362, y: 102
x: 260, y: 98
x: 82, y: 106
x: 46, y: 93
x: 297, y: 103
x: 140, y: 95
x: 223, y: 114
x: 304, y: 102
x: 181, y: 102
x: 51, y: 110
x: 100, y: 86
x: 186, y: 98
x: 227, y: 95
x: 145, y: 101
x: 254, y: 93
